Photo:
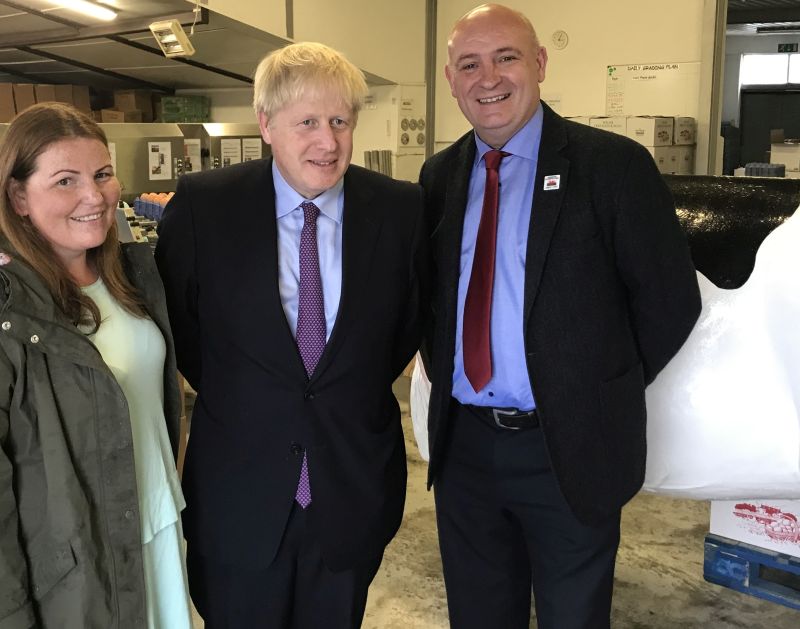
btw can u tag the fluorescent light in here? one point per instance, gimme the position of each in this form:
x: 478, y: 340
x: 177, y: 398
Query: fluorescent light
x: 172, y: 38
x: 84, y: 7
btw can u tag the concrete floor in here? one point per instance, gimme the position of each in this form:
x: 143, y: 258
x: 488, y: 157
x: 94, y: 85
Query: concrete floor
x: 659, y: 578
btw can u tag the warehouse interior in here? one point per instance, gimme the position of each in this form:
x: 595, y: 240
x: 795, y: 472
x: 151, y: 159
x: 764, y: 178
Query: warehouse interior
x: 612, y: 64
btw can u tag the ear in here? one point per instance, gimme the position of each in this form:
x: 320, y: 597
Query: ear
x: 17, y: 196
x: 449, y: 74
x: 541, y: 60
x: 263, y: 126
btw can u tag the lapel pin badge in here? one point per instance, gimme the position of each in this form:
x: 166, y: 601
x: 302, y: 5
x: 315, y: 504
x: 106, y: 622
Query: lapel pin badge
x: 4, y: 258
x: 552, y: 182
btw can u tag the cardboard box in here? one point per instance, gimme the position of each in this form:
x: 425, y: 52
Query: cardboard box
x: 45, y: 93
x: 64, y: 94
x: 24, y: 96
x: 664, y: 158
x: 81, y: 99
x: 785, y: 153
x: 112, y: 115
x: 650, y: 130
x: 684, y: 131
x: 135, y: 100
x: 7, y: 108
x: 615, y: 124
x: 770, y: 524
x: 684, y: 160
x: 133, y: 116
x: 581, y: 119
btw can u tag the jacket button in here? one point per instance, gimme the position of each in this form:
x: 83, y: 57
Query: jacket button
x: 296, y: 449
x: 6, y: 325
x: 129, y: 514
x: 308, y: 395
x: 35, y: 339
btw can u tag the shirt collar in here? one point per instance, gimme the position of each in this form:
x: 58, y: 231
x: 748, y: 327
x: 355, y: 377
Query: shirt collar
x: 287, y: 199
x: 524, y: 143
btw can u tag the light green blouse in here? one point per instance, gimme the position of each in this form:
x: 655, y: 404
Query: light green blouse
x: 134, y: 350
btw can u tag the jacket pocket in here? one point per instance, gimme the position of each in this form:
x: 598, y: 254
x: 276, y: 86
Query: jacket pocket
x: 624, y: 413
x: 49, y: 564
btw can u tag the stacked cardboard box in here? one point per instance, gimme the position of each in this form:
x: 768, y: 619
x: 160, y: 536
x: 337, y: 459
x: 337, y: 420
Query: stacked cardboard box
x: 137, y: 105
x: 17, y: 97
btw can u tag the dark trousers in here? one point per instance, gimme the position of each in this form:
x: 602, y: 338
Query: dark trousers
x: 505, y: 528
x: 296, y: 591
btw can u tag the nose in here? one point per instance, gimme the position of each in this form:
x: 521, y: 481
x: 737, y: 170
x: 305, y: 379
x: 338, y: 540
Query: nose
x: 489, y: 75
x: 326, y: 138
x: 93, y: 192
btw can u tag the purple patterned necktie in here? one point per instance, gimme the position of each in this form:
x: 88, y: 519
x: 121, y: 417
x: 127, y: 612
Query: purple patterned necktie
x: 310, y: 319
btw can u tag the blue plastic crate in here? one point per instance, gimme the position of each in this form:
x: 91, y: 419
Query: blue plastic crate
x: 752, y: 570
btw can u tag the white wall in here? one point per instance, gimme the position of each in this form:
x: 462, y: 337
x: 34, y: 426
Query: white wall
x: 384, y: 37
x: 735, y: 47
x: 614, y: 32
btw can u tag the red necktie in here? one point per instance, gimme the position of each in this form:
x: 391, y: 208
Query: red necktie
x: 478, y: 304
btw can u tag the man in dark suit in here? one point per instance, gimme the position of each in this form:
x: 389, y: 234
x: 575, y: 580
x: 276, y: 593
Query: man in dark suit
x: 294, y: 291
x: 562, y: 286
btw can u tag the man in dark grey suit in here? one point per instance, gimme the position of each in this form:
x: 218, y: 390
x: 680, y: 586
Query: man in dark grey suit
x: 294, y: 287
x: 562, y: 286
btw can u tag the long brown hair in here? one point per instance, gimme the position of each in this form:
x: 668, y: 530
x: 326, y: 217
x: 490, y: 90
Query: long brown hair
x: 28, y: 136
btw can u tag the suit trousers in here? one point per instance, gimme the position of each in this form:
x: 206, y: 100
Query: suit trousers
x: 296, y: 591
x: 505, y: 528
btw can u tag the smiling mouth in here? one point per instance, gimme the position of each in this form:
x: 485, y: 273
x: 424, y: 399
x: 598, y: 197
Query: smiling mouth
x: 493, y: 99
x: 88, y: 218
x: 317, y: 162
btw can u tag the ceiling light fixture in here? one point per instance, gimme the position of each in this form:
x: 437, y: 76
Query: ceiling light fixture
x: 90, y: 9
x: 172, y: 38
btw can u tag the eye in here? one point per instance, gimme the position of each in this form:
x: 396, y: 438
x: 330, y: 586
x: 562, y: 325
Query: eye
x: 506, y: 58
x: 64, y: 182
x: 339, y: 123
x: 467, y: 67
x: 308, y: 123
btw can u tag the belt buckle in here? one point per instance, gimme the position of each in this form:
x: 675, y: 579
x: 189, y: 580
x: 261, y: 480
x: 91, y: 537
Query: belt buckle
x: 499, y: 411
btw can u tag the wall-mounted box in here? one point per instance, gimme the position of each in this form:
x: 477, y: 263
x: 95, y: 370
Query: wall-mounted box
x: 650, y: 130
x: 615, y: 124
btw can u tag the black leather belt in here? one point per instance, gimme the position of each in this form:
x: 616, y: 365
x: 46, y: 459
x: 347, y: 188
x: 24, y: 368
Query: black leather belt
x: 506, y: 418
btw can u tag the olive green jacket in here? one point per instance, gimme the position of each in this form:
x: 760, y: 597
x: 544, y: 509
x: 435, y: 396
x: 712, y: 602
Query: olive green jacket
x: 70, y: 544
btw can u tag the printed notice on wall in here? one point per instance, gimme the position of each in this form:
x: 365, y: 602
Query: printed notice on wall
x: 670, y: 89
x: 159, y: 158
x: 191, y: 155
x: 231, y: 151
x: 251, y: 148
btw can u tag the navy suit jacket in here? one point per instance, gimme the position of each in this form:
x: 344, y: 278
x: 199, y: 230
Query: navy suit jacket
x: 610, y: 296
x: 256, y: 411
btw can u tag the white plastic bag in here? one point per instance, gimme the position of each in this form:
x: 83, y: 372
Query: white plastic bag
x: 724, y: 415
x: 420, y: 396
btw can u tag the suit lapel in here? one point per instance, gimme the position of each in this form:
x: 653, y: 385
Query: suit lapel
x: 546, y: 203
x: 450, y: 231
x: 360, y: 230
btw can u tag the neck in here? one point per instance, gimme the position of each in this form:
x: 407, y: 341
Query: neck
x: 81, y: 270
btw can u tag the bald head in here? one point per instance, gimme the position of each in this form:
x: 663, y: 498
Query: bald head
x: 491, y: 13
x: 494, y: 68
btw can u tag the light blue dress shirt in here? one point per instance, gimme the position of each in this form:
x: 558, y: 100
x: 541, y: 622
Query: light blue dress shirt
x: 329, y: 245
x: 509, y: 386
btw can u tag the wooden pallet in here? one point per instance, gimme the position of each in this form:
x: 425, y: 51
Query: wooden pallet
x: 756, y: 571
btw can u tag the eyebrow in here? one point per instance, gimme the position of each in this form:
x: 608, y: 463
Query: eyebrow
x: 498, y: 51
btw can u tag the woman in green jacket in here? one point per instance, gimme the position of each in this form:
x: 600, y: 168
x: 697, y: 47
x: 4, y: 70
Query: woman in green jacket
x: 89, y: 407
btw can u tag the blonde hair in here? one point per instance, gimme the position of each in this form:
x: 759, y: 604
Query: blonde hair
x: 29, y: 135
x: 290, y: 73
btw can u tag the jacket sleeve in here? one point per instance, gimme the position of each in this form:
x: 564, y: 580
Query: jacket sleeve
x: 410, y: 335
x: 16, y: 609
x: 175, y: 255
x: 652, y: 256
